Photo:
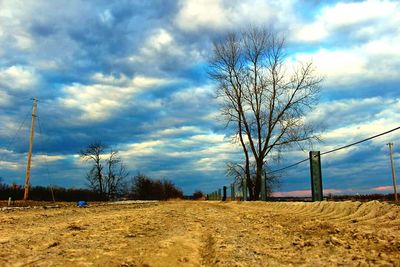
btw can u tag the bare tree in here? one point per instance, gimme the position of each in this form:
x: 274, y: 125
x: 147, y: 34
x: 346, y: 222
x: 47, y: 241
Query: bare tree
x: 106, y: 184
x: 263, y: 102
x: 95, y: 177
x: 116, y: 174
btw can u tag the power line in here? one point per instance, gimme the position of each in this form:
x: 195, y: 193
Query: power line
x: 358, y: 142
x: 336, y: 149
x: 45, y: 160
x: 290, y: 166
x: 18, y: 130
x: 11, y: 142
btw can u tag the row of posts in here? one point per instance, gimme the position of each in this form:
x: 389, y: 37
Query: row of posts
x: 221, y: 194
x: 316, y: 184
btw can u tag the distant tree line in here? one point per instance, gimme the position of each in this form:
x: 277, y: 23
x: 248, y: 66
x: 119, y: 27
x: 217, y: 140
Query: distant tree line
x: 198, y: 195
x: 145, y: 188
x: 141, y: 187
x: 42, y: 193
x: 107, y: 179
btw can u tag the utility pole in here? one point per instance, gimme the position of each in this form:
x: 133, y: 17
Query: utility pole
x: 28, y: 164
x: 393, y: 174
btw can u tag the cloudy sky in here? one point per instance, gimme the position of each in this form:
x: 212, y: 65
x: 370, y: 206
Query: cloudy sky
x: 133, y: 74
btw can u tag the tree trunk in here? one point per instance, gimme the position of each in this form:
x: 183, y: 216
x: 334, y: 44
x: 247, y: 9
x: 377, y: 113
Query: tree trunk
x: 99, y: 176
x: 249, y: 183
x: 259, y: 170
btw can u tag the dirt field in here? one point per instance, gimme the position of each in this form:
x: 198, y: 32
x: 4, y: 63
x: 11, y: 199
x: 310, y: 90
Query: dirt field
x: 184, y: 233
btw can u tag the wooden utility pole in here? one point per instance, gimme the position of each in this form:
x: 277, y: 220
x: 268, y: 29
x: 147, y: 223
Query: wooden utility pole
x: 393, y: 173
x: 28, y: 164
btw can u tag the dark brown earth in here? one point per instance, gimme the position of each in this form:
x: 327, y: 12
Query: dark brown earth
x: 189, y: 233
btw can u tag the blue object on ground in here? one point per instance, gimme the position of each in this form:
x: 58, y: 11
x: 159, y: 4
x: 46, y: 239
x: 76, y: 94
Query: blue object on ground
x: 81, y: 203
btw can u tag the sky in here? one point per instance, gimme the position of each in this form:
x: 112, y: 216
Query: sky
x: 133, y: 75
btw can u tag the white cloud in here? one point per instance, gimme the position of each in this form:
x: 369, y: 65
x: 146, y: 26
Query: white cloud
x: 310, y: 33
x: 376, y: 60
x: 178, y: 130
x: 201, y: 152
x: 348, y: 111
x: 160, y: 39
x: 10, y: 126
x: 19, y: 78
x: 44, y: 64
x: 143, y: 148
x: 209, y: 138
x: 161, y: 50
x: 352, y: 120
x: 193, y: 96
x: 344, y: 14
x: 222, y: 14
x: 98, y: 102
x: 110, y: 79
x: 158, y: 42
x: 194, y: 14
x: 11, y: 27
x: 10, y: 165
x: 339, y: 67
x: 47, y: 158
x: 4, y: 99
x: 370, y: 17
x: 146, y: 82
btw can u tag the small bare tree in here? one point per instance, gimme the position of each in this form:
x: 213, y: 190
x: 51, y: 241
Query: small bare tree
x: 116, y: 174
x: 95, y: 177
x: 106, y: 185
x: 262, y: 101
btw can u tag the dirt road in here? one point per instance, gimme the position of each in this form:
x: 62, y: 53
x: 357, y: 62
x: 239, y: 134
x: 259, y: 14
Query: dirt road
x: 183, y: 233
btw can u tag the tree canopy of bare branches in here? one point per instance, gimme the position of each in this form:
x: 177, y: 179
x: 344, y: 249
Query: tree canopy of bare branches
x: 105, y: 178
x: 263, y: 99
x: 238, y: 172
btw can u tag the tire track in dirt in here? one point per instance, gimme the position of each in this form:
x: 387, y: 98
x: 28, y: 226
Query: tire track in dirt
x: 182, y: 233
x: 208, y: 251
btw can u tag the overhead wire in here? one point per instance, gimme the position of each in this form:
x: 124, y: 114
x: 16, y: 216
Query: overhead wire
x: 45, y: 159
x: 336, y: 149
x: 12, y: 141
x: 361, y: 141
x: 289, y: 166
x: 18, y: 130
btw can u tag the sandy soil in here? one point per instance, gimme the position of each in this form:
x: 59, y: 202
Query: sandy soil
x: 184, y: 233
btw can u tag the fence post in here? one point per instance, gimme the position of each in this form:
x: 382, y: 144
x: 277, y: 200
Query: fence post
x: 232, y: 192
x: 263, y: 188
x: 224, y: 193
x: 219, y: 194
x: 316, y: 176
x: 244, y: 188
